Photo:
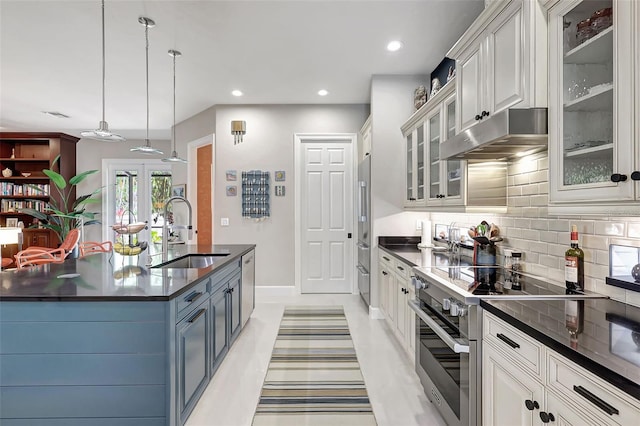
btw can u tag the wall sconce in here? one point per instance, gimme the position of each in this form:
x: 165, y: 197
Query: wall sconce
x: 238, y: 129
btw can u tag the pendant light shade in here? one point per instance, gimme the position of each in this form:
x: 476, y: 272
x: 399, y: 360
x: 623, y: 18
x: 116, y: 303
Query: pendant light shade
x: 174, y: 155
x: 147, y: 148
x: 102, y: 133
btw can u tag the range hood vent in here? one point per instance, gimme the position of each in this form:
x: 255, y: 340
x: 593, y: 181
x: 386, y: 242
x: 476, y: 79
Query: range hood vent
x: 507, y: 134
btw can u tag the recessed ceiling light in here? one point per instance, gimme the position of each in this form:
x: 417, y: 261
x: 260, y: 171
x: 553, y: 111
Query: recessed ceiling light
x: 323, y: 92
x: 55, y: 114
x: 237, y: 93
x: 394, y: 46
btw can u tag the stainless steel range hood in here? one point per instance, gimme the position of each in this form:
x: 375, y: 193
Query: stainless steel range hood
x: 501, y: 136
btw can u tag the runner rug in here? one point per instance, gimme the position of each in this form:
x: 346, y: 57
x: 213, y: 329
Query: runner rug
x: 314, y: 378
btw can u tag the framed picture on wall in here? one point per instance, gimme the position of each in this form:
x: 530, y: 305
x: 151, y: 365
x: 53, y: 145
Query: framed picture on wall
x: 232, y: 175
x: 12, y: 222
x: 179, y: 190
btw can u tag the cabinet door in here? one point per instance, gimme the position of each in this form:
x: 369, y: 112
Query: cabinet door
x: 401, y: 309
x: 469, y: 86
x: 591, y: 115
x: 234, y: 304
x: 410, y: 196
x: 193, y: 348
x: 505, y: 67
x: 383, y: 279
x: 411, y: 324
x: 392, y: 300
x: 567, y: 414
x: 505, y: 390
x: 420, y: 159
x: 434, y: 134
x: 219, y: 340
x: 36, y: 237
x: 453, y: 169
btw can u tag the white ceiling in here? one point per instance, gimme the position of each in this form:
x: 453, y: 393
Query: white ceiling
x: 276, y: 52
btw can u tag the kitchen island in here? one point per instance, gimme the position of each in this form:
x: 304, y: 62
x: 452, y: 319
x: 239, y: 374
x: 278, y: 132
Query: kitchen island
x: 101, y: 340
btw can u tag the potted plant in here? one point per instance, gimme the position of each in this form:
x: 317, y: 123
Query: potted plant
x: 60, y: 214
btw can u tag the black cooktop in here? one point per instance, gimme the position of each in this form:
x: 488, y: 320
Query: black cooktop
x: 493, y: 280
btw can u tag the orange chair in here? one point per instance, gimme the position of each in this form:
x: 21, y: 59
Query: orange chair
x: 92, y: 247
x: 70, y: 241
x: 39, y: 256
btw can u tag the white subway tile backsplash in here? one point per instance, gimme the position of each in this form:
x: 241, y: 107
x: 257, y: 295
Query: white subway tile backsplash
x: 540, y: 224
x: 602, y: 257
x: 522, y: 223
x: 550, y: 261
x: 521, y: 179
x: 531, y: 189
x: 549, y: 236
x: 557, y: 250
x: 543, y: 188
x: 541, y: 248
x: 595, y: 271
x: 530, y: 234
x: 543, y: 163
x: 633, y: 298
x: 513, y: 191
x: 539, y: 200
x: 539, y: 176
x: 595, y: 241
x: 633, y: 230
x: 609, y: 228
x: 559, y: 225
x: 514, y: 232
x: 584, y: 226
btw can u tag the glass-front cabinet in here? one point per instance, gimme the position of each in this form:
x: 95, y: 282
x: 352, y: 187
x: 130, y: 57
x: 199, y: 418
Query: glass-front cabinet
x: 430, y: 180
x: 591, y: 104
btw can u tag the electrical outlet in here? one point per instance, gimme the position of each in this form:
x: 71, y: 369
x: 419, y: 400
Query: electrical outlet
x: 224, y: 221
x: 418, y: 225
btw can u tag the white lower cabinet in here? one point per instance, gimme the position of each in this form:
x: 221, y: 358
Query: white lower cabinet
x: 505, y: 390
x: 395, y: 293
x: 521, y: 388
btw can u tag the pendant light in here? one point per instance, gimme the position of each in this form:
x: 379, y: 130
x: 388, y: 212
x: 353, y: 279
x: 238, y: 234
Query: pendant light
x: 147, y: 148
x: 102, y: 133
x: 174, y: 155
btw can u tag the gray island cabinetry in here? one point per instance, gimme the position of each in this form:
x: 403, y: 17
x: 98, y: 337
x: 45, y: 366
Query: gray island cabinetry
x: 79, y: 346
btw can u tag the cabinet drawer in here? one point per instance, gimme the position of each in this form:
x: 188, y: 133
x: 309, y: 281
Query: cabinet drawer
x: 588, y: 392
x: 386, y: 259
x: 187, y: 301
x: 402, y: 269
x: 523, y: 349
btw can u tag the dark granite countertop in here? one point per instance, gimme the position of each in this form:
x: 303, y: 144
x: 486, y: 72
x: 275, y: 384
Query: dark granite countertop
x: 110, y: 276
x: 404, y: 249
x: 608, y: 345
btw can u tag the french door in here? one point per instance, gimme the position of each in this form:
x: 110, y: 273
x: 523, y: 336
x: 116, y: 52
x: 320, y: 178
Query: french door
x: 135, y: 192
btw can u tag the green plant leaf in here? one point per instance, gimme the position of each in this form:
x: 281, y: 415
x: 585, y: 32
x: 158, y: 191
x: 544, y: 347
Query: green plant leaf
x: 56, y: 178
x: 79, y: 178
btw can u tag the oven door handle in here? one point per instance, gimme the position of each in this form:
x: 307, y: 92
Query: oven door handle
x: 455, y: 346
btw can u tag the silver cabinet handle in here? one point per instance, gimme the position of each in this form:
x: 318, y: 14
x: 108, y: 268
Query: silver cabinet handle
x: 455, y: 345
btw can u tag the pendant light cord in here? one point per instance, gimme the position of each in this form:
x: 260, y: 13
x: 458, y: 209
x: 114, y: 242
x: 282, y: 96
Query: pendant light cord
x: 103, y: 64
x: 146, y: 35
x: 173, y: 129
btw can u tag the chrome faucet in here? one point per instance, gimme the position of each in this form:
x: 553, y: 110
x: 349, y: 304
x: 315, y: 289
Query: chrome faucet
x: 165, y: 226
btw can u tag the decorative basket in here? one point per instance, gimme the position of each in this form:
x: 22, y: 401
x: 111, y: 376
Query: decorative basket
x: 131, y: 228
x: 130, y: 249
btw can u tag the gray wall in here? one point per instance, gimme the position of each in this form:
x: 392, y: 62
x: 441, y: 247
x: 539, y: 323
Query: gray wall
x: 268, y: 146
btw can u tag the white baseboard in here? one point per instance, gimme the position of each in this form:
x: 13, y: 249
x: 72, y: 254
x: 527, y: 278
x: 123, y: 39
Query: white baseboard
x: 274, y: 291
x: 375, y: 313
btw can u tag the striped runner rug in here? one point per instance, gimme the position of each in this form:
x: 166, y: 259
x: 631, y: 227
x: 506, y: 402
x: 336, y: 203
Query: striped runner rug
x: 314, y: 378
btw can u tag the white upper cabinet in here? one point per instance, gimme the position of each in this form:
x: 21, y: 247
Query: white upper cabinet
x: 593, y: 127
x: 364, y: 140
x: 501, y: 61
x: 431, y: 181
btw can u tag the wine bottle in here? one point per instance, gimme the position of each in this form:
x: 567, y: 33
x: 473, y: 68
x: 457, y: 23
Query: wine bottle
x: 574, y: 320
x: 574, y: 263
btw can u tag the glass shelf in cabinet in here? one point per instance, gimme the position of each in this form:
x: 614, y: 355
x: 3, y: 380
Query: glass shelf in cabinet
x: 593, y: 51
x: 600, y: 99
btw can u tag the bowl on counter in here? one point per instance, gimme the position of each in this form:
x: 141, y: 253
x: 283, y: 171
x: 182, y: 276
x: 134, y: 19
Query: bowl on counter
x: 26, y: 174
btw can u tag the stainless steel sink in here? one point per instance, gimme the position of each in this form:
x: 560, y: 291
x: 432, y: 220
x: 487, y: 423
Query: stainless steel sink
x: 193, y: 261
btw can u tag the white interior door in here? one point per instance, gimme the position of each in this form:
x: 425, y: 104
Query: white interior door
x: 326, y: 215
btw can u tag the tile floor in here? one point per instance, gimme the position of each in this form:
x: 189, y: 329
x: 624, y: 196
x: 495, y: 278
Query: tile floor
x: 394, y: 389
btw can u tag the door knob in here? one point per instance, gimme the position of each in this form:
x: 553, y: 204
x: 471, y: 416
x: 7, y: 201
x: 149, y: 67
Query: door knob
x: 531, y: 405
x: 617, y: 177
x: 635, y: 175
x: 546, y: 417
